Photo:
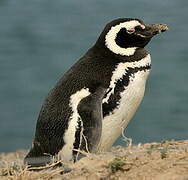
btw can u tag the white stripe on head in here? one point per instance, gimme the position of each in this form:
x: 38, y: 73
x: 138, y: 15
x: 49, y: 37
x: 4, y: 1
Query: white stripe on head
x: 112, y: 34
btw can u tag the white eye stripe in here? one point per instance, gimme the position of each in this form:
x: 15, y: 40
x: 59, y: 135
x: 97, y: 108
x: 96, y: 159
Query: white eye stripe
x: 112, y: 34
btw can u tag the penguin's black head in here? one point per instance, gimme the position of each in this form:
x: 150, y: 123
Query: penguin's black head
x: 123, y: 36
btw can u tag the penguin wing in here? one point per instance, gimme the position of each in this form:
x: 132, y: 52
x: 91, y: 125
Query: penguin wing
x: 90, y: 111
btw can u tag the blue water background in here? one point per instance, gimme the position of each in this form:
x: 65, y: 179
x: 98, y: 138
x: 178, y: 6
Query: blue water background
x: 42, y: 39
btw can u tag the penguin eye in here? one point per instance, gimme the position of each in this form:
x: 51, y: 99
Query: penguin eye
x: 130, y: 31
x: 139, y: 28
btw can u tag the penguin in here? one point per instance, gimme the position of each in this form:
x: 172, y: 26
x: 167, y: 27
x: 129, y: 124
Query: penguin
x: 97, y: 96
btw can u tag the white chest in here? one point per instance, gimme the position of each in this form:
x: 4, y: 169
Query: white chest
x: 131, y: 97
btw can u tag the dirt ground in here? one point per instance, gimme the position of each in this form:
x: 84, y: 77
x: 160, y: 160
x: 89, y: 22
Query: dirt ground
x: 167, y: 160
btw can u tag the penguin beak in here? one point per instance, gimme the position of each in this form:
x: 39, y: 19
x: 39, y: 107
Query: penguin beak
x: 151, y: 30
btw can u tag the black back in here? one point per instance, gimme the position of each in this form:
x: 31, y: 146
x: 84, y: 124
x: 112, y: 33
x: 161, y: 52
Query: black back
x: 93, y: 70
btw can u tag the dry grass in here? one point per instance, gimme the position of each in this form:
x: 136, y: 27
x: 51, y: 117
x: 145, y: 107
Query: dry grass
x: 153, y: 161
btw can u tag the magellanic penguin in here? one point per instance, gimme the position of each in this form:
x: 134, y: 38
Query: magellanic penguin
x: 98, y: 96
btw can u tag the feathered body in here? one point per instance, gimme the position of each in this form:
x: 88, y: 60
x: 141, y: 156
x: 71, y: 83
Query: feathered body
x: 97, y: 97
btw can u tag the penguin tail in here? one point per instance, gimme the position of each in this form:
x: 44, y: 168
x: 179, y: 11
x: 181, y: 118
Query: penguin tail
x: 36, y: 158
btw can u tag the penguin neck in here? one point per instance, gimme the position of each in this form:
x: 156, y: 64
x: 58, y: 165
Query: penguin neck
x: 100, y: 49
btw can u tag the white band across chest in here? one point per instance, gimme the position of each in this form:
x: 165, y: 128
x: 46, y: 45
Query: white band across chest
x: 121, y: 69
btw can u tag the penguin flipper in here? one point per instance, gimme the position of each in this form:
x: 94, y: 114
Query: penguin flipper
x: 90, y: 111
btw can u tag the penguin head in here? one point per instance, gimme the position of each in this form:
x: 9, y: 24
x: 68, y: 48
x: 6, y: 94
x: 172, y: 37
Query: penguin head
x: 123, y: 36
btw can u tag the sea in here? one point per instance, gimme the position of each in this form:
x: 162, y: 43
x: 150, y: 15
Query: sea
x: 41, y: 39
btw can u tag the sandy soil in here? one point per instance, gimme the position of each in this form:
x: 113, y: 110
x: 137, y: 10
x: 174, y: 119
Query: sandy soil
x: 153, y: 161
